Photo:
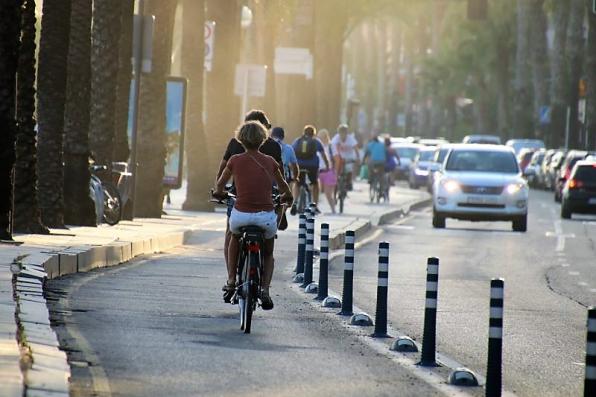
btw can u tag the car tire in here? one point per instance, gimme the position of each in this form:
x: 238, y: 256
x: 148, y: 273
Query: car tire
x: 565, y: 210
x: 520, y: 224
x: 438, y: 220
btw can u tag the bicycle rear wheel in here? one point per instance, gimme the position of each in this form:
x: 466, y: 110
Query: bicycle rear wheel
x: 252, y: 285
x: 112, y: 211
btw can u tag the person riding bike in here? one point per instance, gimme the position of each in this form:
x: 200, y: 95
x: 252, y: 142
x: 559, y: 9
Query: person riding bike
x: 392, y: 162
x: 254, y: 174
x: 306, y: 148
x: 345, y: 147
x: 290, y: 162
x: 270, y: 147
x: 376, y: 154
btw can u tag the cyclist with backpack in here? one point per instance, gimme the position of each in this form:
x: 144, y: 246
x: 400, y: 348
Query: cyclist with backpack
x: 306, y: 148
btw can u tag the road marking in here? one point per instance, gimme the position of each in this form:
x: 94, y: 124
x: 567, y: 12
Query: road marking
x: 589, y: 223
x: 593, y: 290
x: 558, y: 233
x: 574, y: 273
x: 400, y: 227
x: 562, y: 259
x: 565, y: 265
x: 583, y: 283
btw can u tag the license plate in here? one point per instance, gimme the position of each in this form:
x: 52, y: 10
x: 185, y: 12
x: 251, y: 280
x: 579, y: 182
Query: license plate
x: 481, y: 200
x: 592, y: 200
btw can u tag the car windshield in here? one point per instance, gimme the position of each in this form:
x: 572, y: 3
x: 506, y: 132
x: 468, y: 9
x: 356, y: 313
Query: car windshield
x: 440, y: 155
x: 406, y: 152
x: 482, y: 161
x: 586, y: 173
x: 426, y: 155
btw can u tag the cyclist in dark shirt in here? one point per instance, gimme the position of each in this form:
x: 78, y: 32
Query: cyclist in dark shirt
x: 270, y: 147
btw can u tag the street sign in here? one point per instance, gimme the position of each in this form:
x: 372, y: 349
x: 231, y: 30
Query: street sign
x: 544, y: 115
x: 209, y: 39
x: 250, y: 80
x: 290, y: 60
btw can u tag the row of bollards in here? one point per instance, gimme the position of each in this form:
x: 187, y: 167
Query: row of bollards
x: 460, y: 376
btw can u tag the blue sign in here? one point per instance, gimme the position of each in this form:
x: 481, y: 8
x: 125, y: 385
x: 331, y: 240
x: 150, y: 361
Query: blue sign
x: 544, y: 115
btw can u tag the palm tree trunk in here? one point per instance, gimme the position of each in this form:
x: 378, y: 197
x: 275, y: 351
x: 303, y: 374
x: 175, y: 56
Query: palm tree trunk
x: 121, y: 145
x: 51, y: 89
x: 9, y: 41
x: 328, y: 60
x: 523, y: 125
x: 27, y: 216
x: 222, y: 105
x: 591, y: 79
x: 539, y: 61
x: 559, y: 78
x: 151, y: 146
x: 105, y: 35
x: 79, y: 208
x: 199, y: 178
x: 575, y: 56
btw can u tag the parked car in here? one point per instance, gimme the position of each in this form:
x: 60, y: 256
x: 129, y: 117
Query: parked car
x: 435, y: 165
x: 572, y: 157
x: 534, y: 168
x: 542, y: 174
x: 552, y: 172
x: 433, y: 141
x: 579, y: 192
x: 481, y: 183
x: 406, y: 153
x: 419, y: 168
x: 524, y: 157
x: 481, y: 138
x: 519, y: 144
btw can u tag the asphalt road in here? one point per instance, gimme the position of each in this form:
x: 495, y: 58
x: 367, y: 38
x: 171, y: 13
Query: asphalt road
x: 158, y: 327
x: 549, y: 281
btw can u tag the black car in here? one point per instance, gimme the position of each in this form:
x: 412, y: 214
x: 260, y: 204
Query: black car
x: 579, y: 193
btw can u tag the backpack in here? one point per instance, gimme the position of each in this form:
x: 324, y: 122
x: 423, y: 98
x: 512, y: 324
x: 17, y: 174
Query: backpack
x: 306, y: 148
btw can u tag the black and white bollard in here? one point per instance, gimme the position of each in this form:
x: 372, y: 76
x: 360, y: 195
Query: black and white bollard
x: 308, y: 252
x: 324, y: 263
x: 347, y: 294
x: 495, y: 339
x: 382, y: 287
x: 590, y: 381
x: 301, y: 244
x: 428, y: 356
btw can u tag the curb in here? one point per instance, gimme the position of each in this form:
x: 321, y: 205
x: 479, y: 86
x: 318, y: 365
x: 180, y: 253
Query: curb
x: 46, y: 370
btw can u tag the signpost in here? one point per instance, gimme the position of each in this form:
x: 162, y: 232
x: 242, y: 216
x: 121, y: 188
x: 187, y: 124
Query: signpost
x: 209, y: 39
x: 290, y: 60
x: 249, y: 81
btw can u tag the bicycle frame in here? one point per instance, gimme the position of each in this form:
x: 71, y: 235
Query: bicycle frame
x: 249, y: 274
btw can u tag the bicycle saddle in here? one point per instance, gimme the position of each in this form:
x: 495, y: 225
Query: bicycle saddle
x: 252, y: 232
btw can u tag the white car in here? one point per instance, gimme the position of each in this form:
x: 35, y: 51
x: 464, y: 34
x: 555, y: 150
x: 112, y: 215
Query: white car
x: 481, y: 183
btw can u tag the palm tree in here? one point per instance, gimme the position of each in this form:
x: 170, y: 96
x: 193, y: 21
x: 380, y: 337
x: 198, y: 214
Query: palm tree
x: 151, y: 149
x: 105, y: 36
x: 121, y: 147
x: 591, y: 78
x: 27, y: 217
x: 9, y: 41
x: 199, y: 178
x: 575, y: 56
x: 522, y: 108
x: 222, y: 109
x: 51, y: 92
x: 79, y: 208
x: 559, y: 78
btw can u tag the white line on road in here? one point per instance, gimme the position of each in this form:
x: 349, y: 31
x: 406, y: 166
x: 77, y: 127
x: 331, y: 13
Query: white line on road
x: 583, y: 283
x: 574, y: 273
x: 565, y: 265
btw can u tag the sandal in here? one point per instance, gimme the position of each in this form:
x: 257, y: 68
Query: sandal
x: 266, y: 302
x: 228, y: 291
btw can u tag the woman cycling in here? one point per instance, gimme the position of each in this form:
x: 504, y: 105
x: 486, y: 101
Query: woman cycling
x: 254, y: 174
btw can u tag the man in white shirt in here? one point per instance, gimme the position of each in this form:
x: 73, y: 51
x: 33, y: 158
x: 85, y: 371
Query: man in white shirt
x: 345, y: 148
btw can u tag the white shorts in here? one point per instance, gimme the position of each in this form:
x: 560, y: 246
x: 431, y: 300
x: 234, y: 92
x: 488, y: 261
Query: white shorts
x: 265, y: 220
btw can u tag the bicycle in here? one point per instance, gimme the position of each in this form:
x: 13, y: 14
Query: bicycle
x: 304, y: 195
x: 378, y: 184
x: 108, y: 203
x: 250, y: 266
x: 343, y: 182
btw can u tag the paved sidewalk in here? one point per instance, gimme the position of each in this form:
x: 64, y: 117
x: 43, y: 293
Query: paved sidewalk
x: 35, y: 363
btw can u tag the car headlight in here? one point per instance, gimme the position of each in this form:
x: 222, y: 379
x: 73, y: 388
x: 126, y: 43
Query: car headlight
x: 514, y: 188
x: 450, y: 185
